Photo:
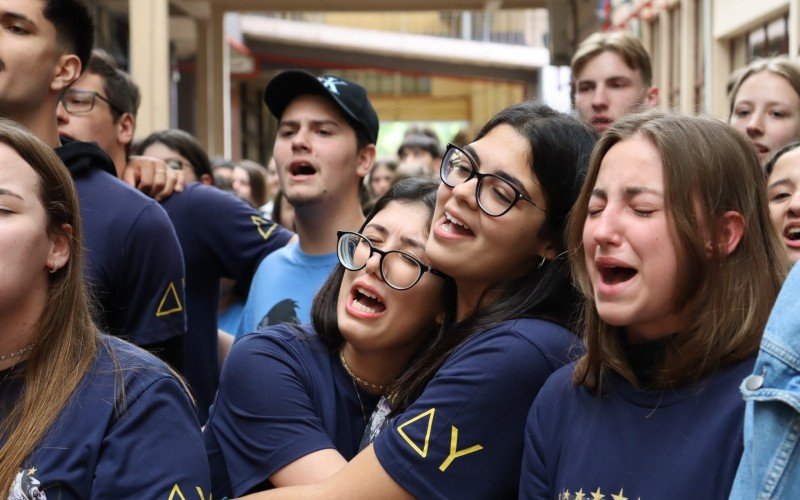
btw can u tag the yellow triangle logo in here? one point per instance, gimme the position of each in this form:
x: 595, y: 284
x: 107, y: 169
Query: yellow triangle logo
x: 170, y: 302
x: 260, y: 223
x: 176, y: 493
x: 423, y: 452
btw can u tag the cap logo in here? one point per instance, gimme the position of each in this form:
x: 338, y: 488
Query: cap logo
x: 331, y: 83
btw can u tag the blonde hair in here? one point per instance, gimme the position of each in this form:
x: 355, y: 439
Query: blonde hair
x: 622, y: 43
x: 781, y: 66
x: 709, y: 169
x: 66, y: 338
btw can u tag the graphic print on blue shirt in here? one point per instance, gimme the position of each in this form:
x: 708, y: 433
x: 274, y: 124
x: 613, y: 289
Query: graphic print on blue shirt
x: 134, y: 264
x: 463, y: 437
x: 284, y: 287
x: 631, y: 443
x: 258, y: 426
x: 150, y: 446
x: 221, y: 237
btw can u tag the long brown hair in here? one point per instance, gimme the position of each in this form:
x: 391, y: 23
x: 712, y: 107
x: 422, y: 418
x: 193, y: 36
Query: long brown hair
x: 709, y: 169
x: 66, y: 339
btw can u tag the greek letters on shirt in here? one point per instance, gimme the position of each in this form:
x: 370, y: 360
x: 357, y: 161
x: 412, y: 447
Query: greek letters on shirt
x: 425, y: 420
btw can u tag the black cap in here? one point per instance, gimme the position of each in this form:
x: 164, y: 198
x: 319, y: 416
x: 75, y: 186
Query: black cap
x: 350, y: 97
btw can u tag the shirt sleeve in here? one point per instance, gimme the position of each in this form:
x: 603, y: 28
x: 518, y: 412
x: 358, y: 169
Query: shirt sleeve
x: 541, y: 451
x: 150, y: 303
x: 154, y: 449
x: 463, y: 437
x: 240, y: 237
x: 252, y: 305
x: 263, y: 418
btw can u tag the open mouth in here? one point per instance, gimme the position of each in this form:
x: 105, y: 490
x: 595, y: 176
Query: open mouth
x: 302, y: 168
x: 614, y: 275
x: 792, y: 233
x: 761, y: 148
x: 601, y: 122
x: 366, y: 302
x: 456, y: 226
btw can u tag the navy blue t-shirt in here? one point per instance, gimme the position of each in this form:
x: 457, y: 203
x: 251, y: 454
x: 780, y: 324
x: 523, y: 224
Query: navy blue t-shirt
x: 636, y: 444
x: 463, y: 437
x: 134, y: 265
x: 145, y: 444
x: 281, y: 396
x: 221, y: 237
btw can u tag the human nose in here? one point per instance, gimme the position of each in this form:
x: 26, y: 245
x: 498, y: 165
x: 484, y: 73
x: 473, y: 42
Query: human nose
x: 599, y: 98
x: 467, y: 192
x: 61, y: 114
x: 794, y: 204
x: 605, y: 228
x: 300, y: 140
x: 373, y: 265
x: 755, y: 125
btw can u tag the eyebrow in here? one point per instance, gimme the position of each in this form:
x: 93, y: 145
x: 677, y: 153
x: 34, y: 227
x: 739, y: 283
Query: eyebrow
x: 404, y: 239
x: 499, y: 173
x: 8, y: 192
x: 781, y: 182
x: 296, y: 123
x: 628, y: 192
x: 473, y: 154
x: 16, y: 16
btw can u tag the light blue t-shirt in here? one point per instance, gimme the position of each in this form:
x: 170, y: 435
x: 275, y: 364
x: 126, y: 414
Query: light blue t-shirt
x: 284, y: 287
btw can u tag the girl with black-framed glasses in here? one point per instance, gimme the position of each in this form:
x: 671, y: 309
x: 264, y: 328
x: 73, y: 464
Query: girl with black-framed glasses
x: 294, y: 401
x: 498, y: 231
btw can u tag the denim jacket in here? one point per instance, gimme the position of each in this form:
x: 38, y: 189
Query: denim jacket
x: 770, y: 466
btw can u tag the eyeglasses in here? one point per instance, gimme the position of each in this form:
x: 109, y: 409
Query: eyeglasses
x: 77, y: 102
x: 398, y: 269
x: 495, y: 195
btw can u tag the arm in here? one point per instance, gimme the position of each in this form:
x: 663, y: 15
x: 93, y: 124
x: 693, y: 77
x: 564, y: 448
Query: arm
x: 468, y: 423
x: 148, y: 287
x: 140, y: 173
x: 264, y: 427
x: 153, y: 447
x: 534, y: 480
x: 363, y: 478
x: 239, y: 236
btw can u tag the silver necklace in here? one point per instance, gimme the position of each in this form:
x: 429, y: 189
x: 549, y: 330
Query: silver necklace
x: 18, y: 353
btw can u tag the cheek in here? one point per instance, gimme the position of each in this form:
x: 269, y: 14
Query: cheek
x: 776, y: 214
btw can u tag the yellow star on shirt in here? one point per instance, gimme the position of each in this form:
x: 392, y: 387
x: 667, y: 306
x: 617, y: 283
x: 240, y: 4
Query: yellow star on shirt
x: 619, y: 496
x: 596, y: 495
x: 32, y: 471
x: 580, y: 495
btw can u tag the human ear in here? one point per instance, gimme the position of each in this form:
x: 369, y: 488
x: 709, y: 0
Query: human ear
x: 59, y: 247
x: 66, y: 72
x: 126, y: 126
x: 651, y: 97
x: 729, y: 233
x: 366, y: 159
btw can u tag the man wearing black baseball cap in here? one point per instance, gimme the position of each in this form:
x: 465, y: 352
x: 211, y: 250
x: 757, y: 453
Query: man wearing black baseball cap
x: 325, y: 145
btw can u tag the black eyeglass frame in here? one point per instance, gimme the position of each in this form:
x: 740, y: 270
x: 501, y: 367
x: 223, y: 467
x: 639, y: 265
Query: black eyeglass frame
x: 518, y: 195
x: 94, y: 95
x: 383, y: 253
